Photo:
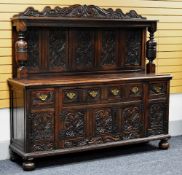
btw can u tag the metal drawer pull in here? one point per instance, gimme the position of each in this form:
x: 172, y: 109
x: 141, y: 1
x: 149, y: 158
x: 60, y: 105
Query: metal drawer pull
x: 71, y: 95
x: 93, y: 93
x: 115, y: 92
x: 43, y: 97
x: 135, y: 90
x: 157, y: 89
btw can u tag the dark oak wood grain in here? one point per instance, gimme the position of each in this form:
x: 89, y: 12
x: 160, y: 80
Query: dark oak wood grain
x: 80, y: 82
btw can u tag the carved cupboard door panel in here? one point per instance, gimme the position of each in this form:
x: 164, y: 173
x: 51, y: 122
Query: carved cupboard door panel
x: 57, y: 49
x: 108, y: 49
x: 157, y: 118
x: 40, y: 133
x: 82, y: 55
x: 72, y: 128
x: 134, y: 48
x: 132, y: 121
x: 105, y: 125
x: 34, y: 57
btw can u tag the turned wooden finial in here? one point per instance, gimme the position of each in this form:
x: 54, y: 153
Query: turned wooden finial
x: 151, y: 50
x: 21, y: 55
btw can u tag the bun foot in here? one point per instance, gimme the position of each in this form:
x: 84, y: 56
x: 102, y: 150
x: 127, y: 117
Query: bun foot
x: 163, y: 144
x: 28, y: 165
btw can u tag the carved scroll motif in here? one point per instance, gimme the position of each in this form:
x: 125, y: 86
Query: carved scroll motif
x: 57, y: 49
x: 132, y: 122
x: 83, y: 11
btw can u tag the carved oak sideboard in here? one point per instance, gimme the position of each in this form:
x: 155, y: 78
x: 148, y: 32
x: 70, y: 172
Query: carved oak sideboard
x: 80, y: 82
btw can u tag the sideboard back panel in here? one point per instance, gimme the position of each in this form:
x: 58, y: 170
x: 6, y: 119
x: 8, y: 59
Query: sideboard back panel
x: 70, y: 50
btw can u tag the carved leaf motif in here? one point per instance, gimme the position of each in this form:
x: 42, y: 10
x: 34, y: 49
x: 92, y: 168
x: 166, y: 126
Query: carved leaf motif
x: 134, y: 48
x: 33, y: 49
x: 89, y: 11
x: 156, y: 118
x: 84, y: 53
x: 132, y: 122
x: 108, y: 52
x: 57, y: 49
x: 73, y: 124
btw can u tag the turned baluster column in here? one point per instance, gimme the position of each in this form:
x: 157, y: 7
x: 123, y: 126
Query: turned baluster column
x: 151, y: 50
x: 21, y: 52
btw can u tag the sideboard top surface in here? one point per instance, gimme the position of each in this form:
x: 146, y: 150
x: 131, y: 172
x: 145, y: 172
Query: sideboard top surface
x: 86, y: 79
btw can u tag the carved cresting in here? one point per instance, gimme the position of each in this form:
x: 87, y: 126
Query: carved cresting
x: 151, y: 50
x: 132, y: 122
x: 42, y: 131
x: 84, y: 11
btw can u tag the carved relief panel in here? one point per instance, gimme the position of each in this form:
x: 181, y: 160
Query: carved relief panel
x: 132, y: 121
x: 158, y: 118
x: 58, y: 49
x: 134, y: 45
x: 108, y: 49
x: 72, y: 127
x: 83, y: 49
x: 41, y: 131
x: 33, y: 61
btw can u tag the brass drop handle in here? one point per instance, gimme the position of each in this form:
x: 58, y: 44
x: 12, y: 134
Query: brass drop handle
x: 71, y: 95
x: 115, y: 91
x: 157, y: 89
x: 135, y: 90
x: 93, y: 93
x: 43, y: 97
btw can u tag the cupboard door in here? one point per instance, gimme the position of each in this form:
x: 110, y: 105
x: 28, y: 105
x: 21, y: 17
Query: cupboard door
x: 40, y: 131
x: 105, y: 122
x: 132, y: 121
x: 72, y: 128
x: 158, y: 118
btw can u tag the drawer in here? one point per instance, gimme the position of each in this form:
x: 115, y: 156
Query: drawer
x: 157, y: 89
x: 42, y: 97
x: 134, y: 90
x: 82, y: 95
x: 115, y: 92
x: 72, y: 95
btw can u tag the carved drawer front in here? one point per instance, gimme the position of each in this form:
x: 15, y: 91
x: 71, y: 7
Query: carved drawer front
x: 43, y: 97
x: 72, y: 128
x: 132, y: 121
x: 40, y: 129
x: 157, y: 89
x: 134, y: 90
x: 115, y: 92
x: 92, y: 94
x: 157, y: 118
x: 72, y: 95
